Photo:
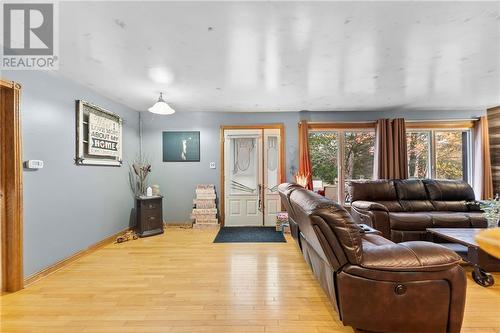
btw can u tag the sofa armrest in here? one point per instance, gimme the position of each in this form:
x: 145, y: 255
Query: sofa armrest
x: 409, y: 257
x: 369, y: 205
x: 378, y: 219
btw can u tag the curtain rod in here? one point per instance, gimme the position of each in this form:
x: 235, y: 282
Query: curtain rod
x: 342, y: 122
x: 440, y: 120
x: 406, y: 120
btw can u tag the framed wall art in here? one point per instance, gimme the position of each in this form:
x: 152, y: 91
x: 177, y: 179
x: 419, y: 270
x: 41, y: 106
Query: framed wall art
x: 181, y: 146
x: 98, y: 135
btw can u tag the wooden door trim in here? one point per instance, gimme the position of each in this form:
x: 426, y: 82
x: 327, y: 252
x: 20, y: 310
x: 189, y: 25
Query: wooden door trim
x: 279, y: 126
x: 11, y: 187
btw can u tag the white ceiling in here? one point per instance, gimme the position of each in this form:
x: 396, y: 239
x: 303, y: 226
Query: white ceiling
x: 286, y: 56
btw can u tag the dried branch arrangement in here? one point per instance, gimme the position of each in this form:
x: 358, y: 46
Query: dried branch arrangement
x: 138, y: 175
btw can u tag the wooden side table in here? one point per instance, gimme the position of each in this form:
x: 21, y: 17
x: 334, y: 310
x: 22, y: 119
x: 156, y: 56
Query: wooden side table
x: 149, y: 215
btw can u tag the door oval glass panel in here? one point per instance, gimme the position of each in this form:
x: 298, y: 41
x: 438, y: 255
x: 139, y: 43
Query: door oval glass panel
x: 244, y: 168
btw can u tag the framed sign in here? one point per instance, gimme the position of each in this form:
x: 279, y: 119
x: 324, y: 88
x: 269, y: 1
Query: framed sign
x: 98, y: 136
x: 181, y: 146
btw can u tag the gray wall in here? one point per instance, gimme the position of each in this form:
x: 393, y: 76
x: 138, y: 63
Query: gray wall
x: 178, y: 180
x: 67, y: 207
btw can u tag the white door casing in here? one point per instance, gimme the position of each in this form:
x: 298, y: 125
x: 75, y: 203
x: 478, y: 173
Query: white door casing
x: 252, y: 167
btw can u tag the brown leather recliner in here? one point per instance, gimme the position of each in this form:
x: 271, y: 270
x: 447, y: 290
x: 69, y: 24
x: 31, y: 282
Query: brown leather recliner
x: 374, y: 284
x: 403, y: 209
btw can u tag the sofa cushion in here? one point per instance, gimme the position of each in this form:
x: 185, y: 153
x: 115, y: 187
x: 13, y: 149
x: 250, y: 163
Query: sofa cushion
x: 450, y: 195
x: 373, y: 190
x: 449, y: 220
x: 477, y: 219
x: 379, y: 191
x: 451, y: 206
x: 419, y: 221
x: 410, y: 189
x: 410, y: 221
x: 413, y: 196
x: 424, y: 256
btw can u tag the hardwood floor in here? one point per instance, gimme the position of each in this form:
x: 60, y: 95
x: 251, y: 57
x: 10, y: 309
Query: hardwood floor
x: 182, y: 282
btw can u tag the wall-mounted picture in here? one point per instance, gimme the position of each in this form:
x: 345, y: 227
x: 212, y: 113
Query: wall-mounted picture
x: 181, y: 146
x: 98, y: 135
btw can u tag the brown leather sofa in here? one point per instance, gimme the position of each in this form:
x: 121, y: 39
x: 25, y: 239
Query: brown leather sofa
x: 374, y: 284
x: 403, y: 209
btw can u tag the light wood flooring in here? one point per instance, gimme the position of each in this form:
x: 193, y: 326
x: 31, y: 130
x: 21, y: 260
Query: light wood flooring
x: 182, y: 282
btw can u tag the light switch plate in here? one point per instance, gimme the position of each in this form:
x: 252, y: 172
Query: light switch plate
x: 212, y: 165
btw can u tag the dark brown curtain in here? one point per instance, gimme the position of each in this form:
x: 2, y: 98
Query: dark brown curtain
x: 305, y: 169
x: 483, y: 180
x: 391, y: 160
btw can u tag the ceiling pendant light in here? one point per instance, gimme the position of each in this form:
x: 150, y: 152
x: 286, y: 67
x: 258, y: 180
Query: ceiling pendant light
x: 161, y: 107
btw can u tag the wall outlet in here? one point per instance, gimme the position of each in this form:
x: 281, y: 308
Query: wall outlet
x: 212, y: 165
x: 33, y: 164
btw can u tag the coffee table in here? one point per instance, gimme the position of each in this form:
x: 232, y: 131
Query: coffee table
x: 463, y: 242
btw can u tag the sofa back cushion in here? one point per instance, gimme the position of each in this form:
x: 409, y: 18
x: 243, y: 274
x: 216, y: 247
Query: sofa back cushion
x: 381, y: 191
x: 413, y: 196
x: 449, y: 195
x: 342, y: 234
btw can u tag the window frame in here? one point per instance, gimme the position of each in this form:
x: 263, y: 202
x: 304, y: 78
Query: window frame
x: 432, y: 129
x: 341, y: 129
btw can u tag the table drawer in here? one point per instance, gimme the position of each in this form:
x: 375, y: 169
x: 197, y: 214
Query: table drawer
x: 151, y: 221
x: 151, y: 205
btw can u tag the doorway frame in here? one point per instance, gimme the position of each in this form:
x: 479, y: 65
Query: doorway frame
x: 11, y: 188
x: 279, y: 126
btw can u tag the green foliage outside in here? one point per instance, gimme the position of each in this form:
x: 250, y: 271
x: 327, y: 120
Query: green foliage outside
x: 358, y: 155
x: 323, y: 150
x: 359, y: 149
x: 449, y: 154
x: 418, y: 154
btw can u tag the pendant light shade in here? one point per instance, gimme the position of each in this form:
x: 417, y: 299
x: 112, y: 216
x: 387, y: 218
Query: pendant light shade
x: 161, y: 107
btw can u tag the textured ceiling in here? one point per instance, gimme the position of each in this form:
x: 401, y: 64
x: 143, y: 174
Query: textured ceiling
x: 286, y: 56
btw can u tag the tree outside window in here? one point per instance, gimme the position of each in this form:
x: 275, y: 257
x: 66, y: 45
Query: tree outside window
x: 323, y: 151
x: 355, y: 148
x: 440, y: 154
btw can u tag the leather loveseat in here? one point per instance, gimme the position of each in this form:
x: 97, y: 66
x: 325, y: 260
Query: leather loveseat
x: 403, y: 209
x: 375, y: 284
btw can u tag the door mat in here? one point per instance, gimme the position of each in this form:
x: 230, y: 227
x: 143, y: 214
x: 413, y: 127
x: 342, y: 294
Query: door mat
x: 249, y: 235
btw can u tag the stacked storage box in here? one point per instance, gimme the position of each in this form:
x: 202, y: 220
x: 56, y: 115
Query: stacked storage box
x: 205, y: 208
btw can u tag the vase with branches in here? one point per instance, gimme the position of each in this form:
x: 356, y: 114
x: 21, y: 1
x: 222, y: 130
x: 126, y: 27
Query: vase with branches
x: 138, y: 175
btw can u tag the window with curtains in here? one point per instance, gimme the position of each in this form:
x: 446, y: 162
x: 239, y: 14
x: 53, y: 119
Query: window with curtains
x: 439, y: 153
x: 338, y: 156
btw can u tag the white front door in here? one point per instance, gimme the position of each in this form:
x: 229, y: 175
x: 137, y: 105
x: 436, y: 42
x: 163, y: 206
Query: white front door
x: 251, y: 176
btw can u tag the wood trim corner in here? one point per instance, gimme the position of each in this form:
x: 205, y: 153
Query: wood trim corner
x: 282, y: 155
x: 69, y: 260
x: 11, y: 187
x: 221, y: 187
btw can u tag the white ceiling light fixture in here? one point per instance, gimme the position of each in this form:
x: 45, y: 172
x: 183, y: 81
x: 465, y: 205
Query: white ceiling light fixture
x: 161, y: 107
